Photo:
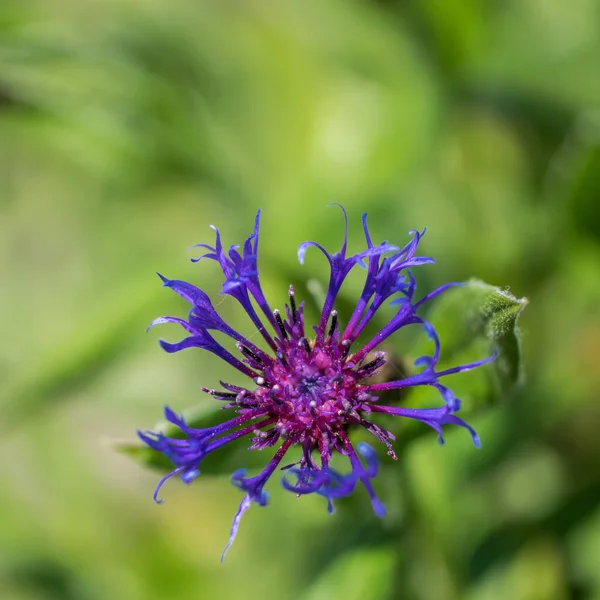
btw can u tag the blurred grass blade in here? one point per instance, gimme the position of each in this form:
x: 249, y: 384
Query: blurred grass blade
x: 89, y: 352
x: 360, y: 575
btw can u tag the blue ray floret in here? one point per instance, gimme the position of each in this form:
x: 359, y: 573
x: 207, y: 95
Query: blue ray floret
x: 306, y: 390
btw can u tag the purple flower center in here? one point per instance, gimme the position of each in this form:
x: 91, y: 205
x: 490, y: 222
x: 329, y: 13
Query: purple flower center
x: 311, y: 386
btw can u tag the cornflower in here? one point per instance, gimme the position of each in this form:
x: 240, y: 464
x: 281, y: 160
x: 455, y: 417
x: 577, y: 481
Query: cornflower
x: 306, y: 389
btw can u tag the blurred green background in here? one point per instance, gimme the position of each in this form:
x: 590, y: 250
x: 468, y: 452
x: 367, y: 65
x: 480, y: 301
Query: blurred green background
x: 127, y: 126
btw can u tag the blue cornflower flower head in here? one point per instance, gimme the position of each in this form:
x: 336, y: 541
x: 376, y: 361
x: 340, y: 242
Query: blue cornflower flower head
x: 307, y: 389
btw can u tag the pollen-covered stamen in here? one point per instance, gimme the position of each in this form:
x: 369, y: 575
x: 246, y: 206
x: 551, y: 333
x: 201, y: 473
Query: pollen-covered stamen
x: 384, y: 436
x: 346, y: 345
x: 274, y: 395
x: 282, y: 359
x: 220, y: 395
x: 245, y: 400
x: 303, y: 343
x: 376, y: 362
x: 280, y: 324
x: 337, y: 379
x: 261, y: 381
x: 249, y: 354
x: 333, y: 326
x: 263, y: 439
x: 291, y: 295
x: 370, y: 368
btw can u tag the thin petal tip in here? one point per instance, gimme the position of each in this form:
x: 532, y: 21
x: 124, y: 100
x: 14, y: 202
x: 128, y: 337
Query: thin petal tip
x: 379, y: 508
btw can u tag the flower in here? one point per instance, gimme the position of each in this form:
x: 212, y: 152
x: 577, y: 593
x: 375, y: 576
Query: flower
x: 306, y: 389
